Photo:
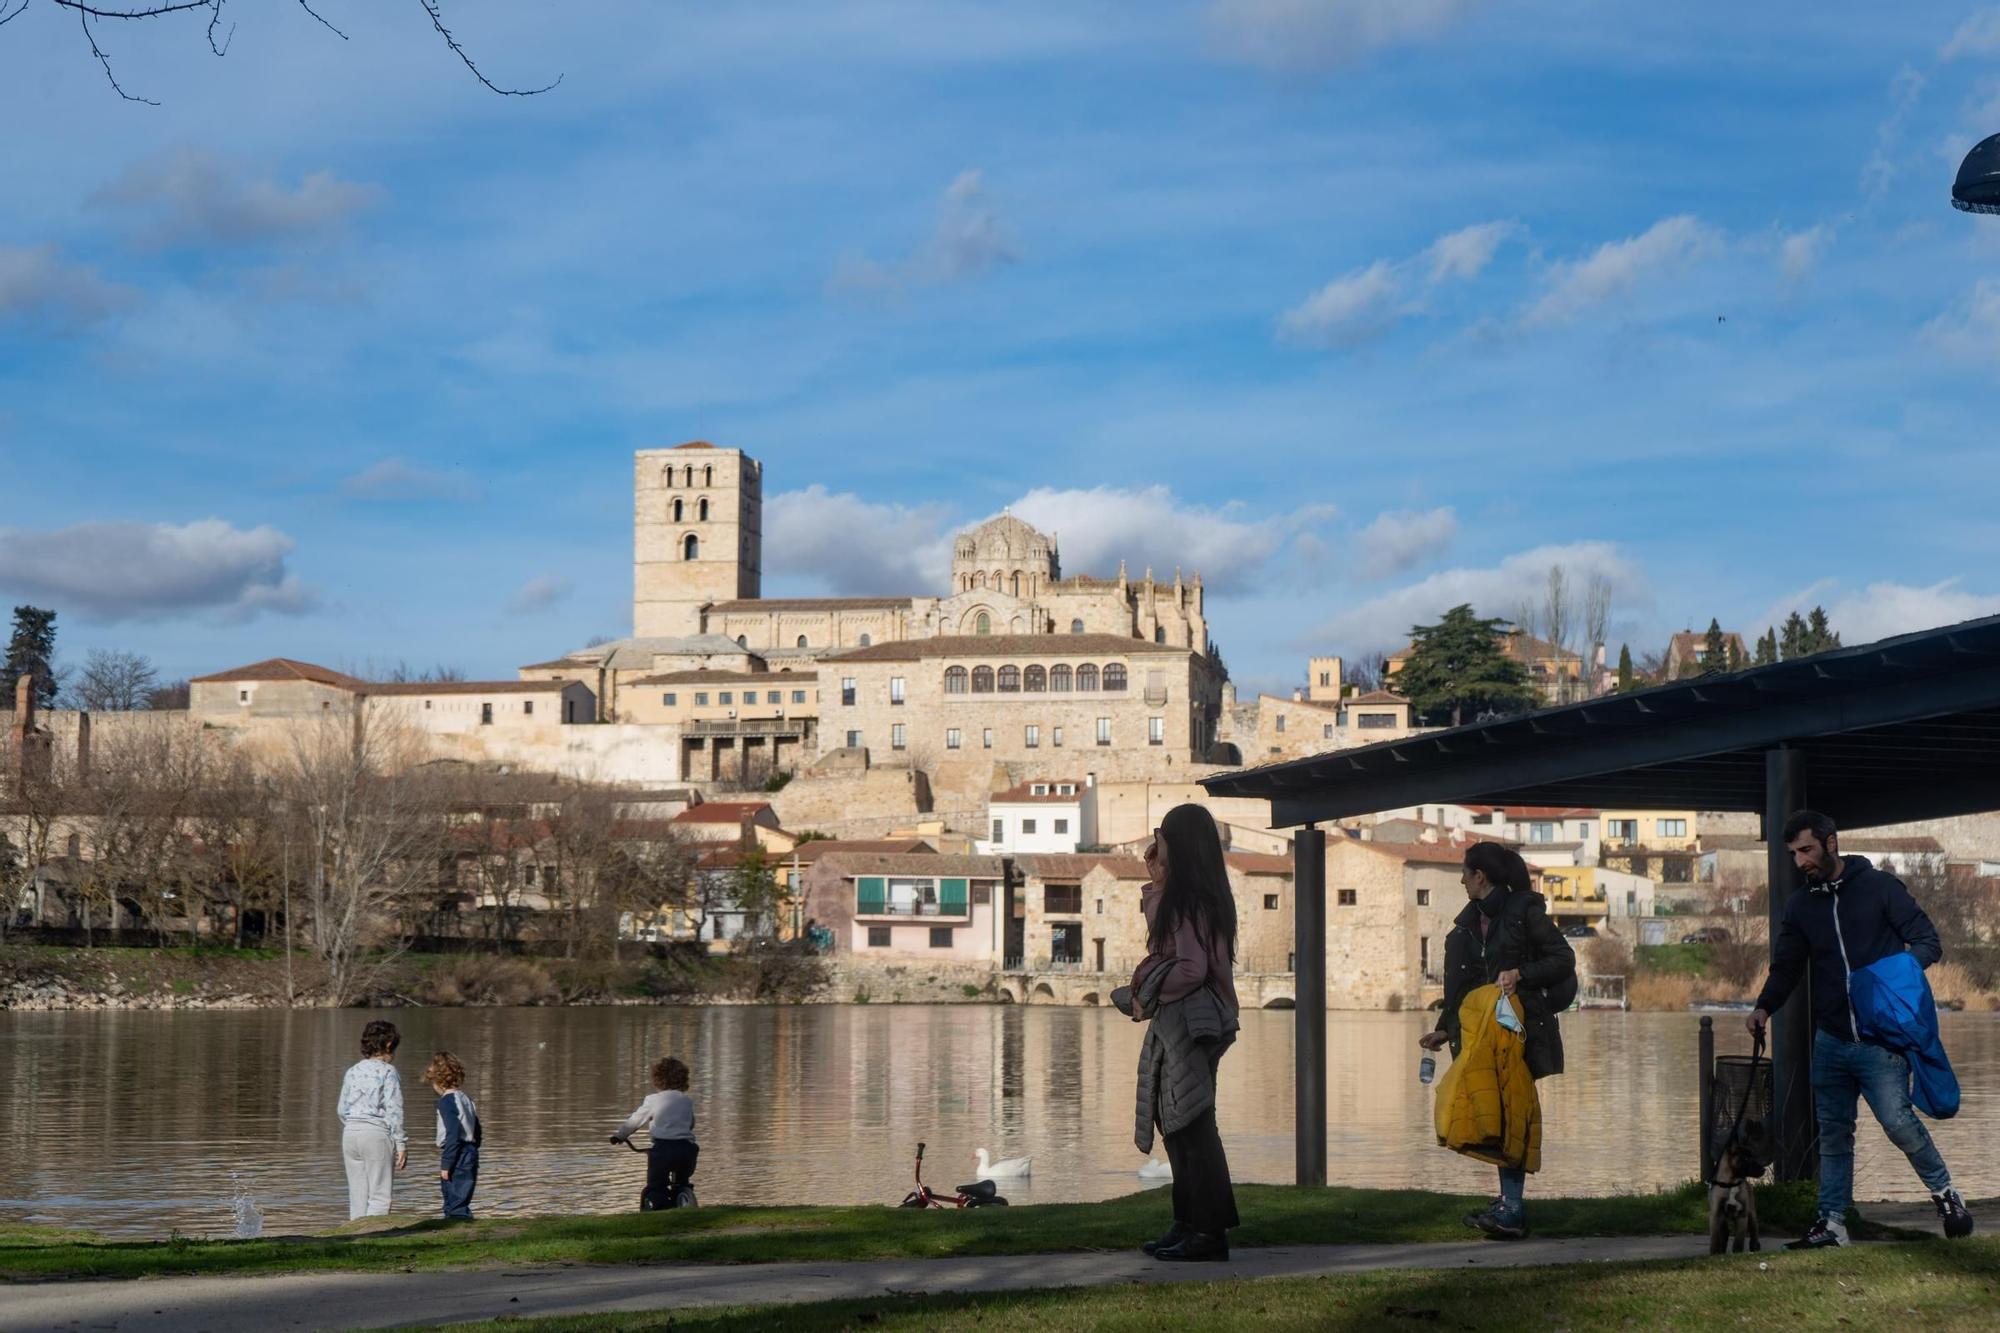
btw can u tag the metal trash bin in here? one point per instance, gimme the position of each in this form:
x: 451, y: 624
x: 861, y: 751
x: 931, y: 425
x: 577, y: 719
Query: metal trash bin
x: 1733, y: 1074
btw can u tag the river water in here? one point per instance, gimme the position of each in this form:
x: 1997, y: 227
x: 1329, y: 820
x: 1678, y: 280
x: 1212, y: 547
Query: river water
x: 138, y: 1123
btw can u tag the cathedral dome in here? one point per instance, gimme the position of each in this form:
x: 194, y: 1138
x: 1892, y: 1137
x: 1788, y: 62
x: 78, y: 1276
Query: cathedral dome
x: 1005, y: 538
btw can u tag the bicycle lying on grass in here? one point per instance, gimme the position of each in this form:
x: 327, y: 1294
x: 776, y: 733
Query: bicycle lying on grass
x: 979, y: 1194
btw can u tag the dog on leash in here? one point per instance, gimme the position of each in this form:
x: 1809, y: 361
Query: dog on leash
x: 1732, y: 1207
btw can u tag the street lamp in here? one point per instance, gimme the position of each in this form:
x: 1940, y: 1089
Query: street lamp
x: 1977, y: 189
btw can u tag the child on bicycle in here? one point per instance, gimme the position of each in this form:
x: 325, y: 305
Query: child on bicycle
x: 669, y: 1113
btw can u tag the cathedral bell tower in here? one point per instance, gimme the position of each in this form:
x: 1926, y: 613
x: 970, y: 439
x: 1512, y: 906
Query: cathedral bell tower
x: 697, y: 535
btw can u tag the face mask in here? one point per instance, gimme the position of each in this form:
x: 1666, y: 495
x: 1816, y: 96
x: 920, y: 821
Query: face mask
x: 1505, y: 1013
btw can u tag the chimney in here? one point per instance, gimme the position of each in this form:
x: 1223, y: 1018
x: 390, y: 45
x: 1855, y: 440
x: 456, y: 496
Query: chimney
x: 83, y: 748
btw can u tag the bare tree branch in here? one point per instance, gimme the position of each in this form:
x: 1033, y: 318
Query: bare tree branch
x: 437, y: 21
x: 6, y: 18
x: 322, y: 21
x: 92, y: 11
x: 214, y: 19
x: 83, y: 17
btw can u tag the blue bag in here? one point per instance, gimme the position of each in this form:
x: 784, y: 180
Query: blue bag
x: 1893, y: 1008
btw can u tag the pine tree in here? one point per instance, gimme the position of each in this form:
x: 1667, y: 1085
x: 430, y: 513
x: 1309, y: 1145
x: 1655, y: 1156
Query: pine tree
x: 1794, y: 642
x: 1714, y: 650
x: 1819, y: 632
x: 1458, y: 666
x: 31, y: 652
x: 1767, y: 648
x: 1625, y: 682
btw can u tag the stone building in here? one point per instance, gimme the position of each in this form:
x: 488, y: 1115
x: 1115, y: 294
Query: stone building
x: 1389, y: 907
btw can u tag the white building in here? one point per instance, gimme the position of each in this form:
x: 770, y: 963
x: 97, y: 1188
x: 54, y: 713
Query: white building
x: 1041, y: 815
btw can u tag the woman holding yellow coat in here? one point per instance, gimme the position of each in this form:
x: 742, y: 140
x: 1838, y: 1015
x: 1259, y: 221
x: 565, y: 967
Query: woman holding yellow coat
x: 1502, y: 945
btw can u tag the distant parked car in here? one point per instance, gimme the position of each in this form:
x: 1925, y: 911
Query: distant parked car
x: 1580, y: 932
x: 1707, y: 935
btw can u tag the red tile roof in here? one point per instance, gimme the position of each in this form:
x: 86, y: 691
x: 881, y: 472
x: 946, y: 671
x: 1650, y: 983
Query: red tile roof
x: 1259, y: 863
x: 1377, y: 697
x: 722, y: 812
x: 1024, y: 792
x: 282, y: 668
x: 1535, y: 811
x: 1073, y: 865
x: 695, y: 444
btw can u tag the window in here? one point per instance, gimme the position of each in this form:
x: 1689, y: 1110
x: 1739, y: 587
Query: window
x: 1270, y: 902
x: 1027, y: 826
x: 427, y: 704
x: 1062, y: 826
x: 669, y: 699
x: 798, y: 696
x: 878, y: 937
x: 1035, y: 680
x: 1423, y: 897
x: 1010, y: 680
x: 1621, y: 830
x: 1323, y: 678
x: 867, y: 639
x: 1063, y: 898
x: 1086, y: 677
x: 1375, y: 721
x: 1059, y: 679
x: 1039, y: 789
x: 677, y: 511
x: 701, y: 511
x: 1326, y: 731
x: 999, y: 830
x: 1346, y: 897
x: 725, y: 698
x: 750, y: 696
x: 940, y: 937
x: 1114, y: 676
x: 895, y: 689
x: 1424, y: 954
x: 527, y: 707
x: 1066, y: 942
x: 1055, y: 737
x: 743, y: 641
x: 951, y: 738
x: 1159, y: 634
x: 1541, y: 833
x: 1281, y: 722
x: 701, y: 698
x: 983, y: 624
x: 986, y: 739
x: 243, y: 696
x: 1583, y: 829
x: 847, y: 691
x: 1104, y: 731
x: 486, y: 715
x: 853, y: 740
x: 690, y: 547
x: 1032, y: 737
x: 1156, y: 731
x: 1076, y: 627
x: 1671, y: 828
x: 899, y: 737
x: 1100, y: 907
x: 982, y: 680
x: 1677, y: 870
x: 954, y: 680
x: 708, y: 475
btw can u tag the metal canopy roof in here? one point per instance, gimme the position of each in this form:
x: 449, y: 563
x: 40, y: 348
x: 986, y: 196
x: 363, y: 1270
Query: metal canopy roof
x: 1908, y: 728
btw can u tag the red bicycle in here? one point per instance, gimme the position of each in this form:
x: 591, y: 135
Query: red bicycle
x: 979, y: 1194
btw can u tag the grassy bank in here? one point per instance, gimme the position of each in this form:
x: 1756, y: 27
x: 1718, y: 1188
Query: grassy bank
x: 45, y: 976
x: 1934, y: 1285
x: 1273, y: 1215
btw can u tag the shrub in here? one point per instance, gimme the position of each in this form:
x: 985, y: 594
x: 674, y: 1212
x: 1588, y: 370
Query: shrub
x: 1660, y: 990
x: 477, y: 980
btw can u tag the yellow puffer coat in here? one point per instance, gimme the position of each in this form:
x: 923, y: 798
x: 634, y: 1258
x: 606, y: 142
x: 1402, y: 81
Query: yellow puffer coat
x: 1486, y: 1102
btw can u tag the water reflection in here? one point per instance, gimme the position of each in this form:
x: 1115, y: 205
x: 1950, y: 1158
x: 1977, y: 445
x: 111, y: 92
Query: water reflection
x: 135, y: 1122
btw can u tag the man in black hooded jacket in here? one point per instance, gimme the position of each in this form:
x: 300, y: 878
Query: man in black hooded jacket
x: 1851, y: 915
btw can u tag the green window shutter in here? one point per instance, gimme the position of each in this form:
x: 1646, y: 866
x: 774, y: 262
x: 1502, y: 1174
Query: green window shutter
x: 952, y: 895
x: 871, y: 894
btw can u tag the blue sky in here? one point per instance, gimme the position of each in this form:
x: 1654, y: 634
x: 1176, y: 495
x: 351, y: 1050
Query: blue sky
x: 1363, y: 309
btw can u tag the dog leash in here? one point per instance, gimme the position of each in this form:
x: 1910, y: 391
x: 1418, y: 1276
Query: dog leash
x: 1749, y: 1085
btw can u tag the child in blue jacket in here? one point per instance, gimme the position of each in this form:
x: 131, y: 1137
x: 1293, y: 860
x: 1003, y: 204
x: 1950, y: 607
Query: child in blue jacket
x: 458, y: 1134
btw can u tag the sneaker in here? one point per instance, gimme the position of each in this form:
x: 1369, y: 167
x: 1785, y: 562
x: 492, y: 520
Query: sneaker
x: 1824, y: 1234
x: 1951, y: 1211
x: 1473, y: 1219
x: 1196, y: 1247
x: 1175, y: 1234
x: 1503, y: 1221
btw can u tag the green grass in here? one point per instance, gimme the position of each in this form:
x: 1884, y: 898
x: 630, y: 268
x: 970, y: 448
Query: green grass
x: 1693, y: 959
x: 1273, y: 1215
x: 1937, y: 1285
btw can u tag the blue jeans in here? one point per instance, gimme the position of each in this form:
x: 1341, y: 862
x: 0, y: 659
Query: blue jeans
x: 464, y: 1179
x: 1843, y: 1071
x: 1513, y: 1180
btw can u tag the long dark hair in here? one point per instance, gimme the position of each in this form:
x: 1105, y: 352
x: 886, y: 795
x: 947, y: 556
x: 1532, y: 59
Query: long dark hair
x: 1197, y: 887
x: 1501, y: 865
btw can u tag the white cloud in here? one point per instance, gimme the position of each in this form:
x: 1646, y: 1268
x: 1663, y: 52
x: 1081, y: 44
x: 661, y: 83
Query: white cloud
x: 1615, y: 268
x: 1320, y: 34
x: 1384, y: 622
x: 540, y: 593
x: 855, y: 547
x: 1884, y: 610
x: 1979, y: 35
x: 1880, y: 169
x: 1400, y: 539
x: 967, y: 239
x: 189, y: 196
x: 1971, y: 329
x: 144, y: 571
x: 393, y: 479
x: 1099, y: 527
x: 1799, y: 252
x: 37, y: 285
x: 1465, y: 253
x: 1348, y: 310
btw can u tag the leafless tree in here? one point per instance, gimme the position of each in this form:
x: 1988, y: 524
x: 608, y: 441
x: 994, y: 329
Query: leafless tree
x: 402, y: 673
x: 1369, y: 672
x: 91, y: 14
x: 113, y: 681
x: 1571, y: 619
x: 145, y: 789
x: 174, y: 694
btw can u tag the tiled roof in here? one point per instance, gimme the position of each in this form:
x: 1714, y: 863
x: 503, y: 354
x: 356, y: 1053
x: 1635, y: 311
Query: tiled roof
x: 1006, y: 645
x: 561, y: 664
x: 466, y: 687
x: 281, y: 668
x: 818, y: 849
x: 1259, y: 863
x: 752, y: 678
x: 722, y: 812
x: 1377, y: 697
x: 695, y: 444
x: 1074, y: 865
x: 812, y: 604
x: 917, y: 865
x: 1023, y: 793
x: 1433, y: 853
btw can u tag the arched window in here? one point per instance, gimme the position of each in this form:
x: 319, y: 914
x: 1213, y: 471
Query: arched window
x: 1017, y: 583
x: 690, y: 547
x: 690, y: 474
x: 1114, y: 676
x: 1086, y: 677
x: 1076, y: 627
x: 1159, y: 634
x: 982, y: 680
x: 1034, y: 680
x: 867, y: 639
x: 983, y: 625
x: 677, y: 510
x: 802, y: 641
x: 1059, y: 680
x: 1010, y: 680
x: 743, y: 641
x: 708, y: 476
x: 978, y: 578
x: 701, y: 511
x: 954, y: 680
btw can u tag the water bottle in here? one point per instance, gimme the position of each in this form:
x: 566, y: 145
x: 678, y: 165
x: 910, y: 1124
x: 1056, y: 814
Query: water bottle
x: 1427, y: 1069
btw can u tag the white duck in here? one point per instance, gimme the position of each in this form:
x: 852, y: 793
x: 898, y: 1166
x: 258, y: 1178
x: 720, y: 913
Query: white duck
x: 1010, y: 1168
x: 1155, y: 1169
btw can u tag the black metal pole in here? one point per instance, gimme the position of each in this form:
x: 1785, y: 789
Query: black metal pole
x: 1791, y: 1026
x: 1309, y: 990
x: 1705, y: 1054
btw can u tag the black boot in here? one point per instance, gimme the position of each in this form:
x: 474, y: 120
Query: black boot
x: 1173, y: 1237
x: 1197, y: 1247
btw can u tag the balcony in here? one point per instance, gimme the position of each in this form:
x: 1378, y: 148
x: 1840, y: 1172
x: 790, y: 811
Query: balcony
x: 749, y: 726
x: 1156, y: 697
x: 910, y: 910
